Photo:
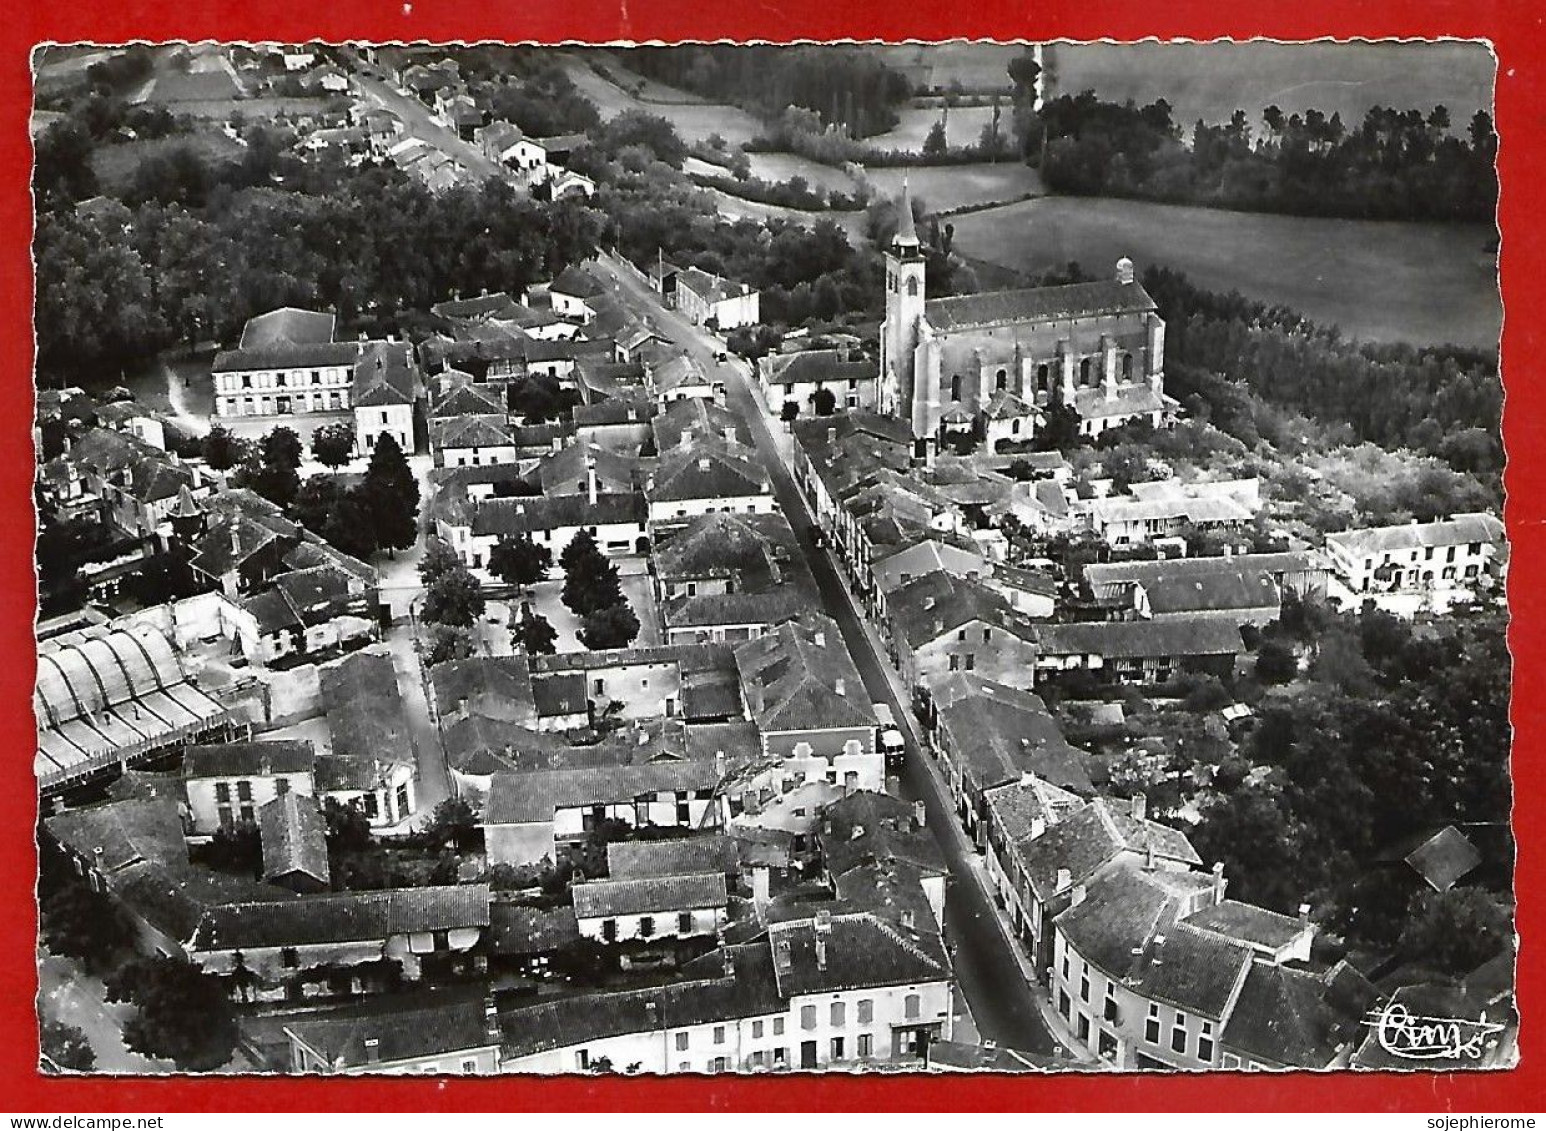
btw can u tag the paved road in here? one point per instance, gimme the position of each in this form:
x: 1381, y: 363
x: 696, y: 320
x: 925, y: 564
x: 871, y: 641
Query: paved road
x: 66, y: 992
x: 421, y: 123
x: 1005, y: 1009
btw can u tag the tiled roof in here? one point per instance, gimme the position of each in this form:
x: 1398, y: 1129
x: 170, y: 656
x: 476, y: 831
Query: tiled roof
x: 1247, y: 923
x: 494, y: 686
x: 1283, y: 1017
x: 255, y: 759
x: 600, y: 899
x: 1178, y: 636
x: 567, y: 471
x: 577, y: 281
x: 691, y: 418
x: 1099, y: 574
x: 1087, y: 839
x: 1093, y: 404
x: 557, y: 512
x: 559, y: 694
x: 122, y: 833
x: 465, y: 399
x: 1000, y: 733
x: 808, y: 366
x: 343, y: 917
x: 533, y: 798
x: 1444, y: 858
x: 631, y: 859
x: 385, y: 374
x: 421, y: 1026
x: 707, y: 471
x: 364, y: 707
x: 862, y: 949
x: 1460, y: 530
x: 938, y: 603
x: 294, y: 837
x: 516, y: 931
x: 801, y: 677
x: 1212, y: 592
x: 865, y: 827
x: 287, y: 355
x: 485, y: 430
x: 1037, y: 304
x: 1014, y: 806
x: 337, y: 773
x: 290, y: 325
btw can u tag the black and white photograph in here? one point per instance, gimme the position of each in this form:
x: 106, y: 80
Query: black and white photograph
x: 924, y: 557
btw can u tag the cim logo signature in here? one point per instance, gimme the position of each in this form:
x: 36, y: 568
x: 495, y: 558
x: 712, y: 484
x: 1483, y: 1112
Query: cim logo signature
x: 1414, y: 1037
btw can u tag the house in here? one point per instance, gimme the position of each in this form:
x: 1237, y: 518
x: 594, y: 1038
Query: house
x: 525, y: 939
x: 229, y: 782
x: 385, y: 391
x: 707, y: 477
x: 574, y: 292
x: 681, y: 377
x: 473, y: 440
x: 990, y: 734
x: 1098, y: 347
x: 709, y: 300
x: 1458, y: 551
x: 939, y: 623
x: 580, y: 469
x: 956, y: 557
x: 796, y: 378
x: 341, y: 942
x: 1169, y: 513
x: 680, y: 856
x: 306, y: 612
x: 617, y: 520
x: 460, y: 115
x: 829, y: 990
x: 688, y: 421
x: 1243, y: 588
x: 110, y: 696
x: 730, y: 577
x: 1140, y: 651
x: 867, y: 828
x: 504, y: 143
x: 373, y: 762
x: 1008, y: 419
x: 642, y: 908
x: 287, y: 363
x: 449, y: 1033
x: 810, y: 705
x: 294, y: 839
x: 529, y: 814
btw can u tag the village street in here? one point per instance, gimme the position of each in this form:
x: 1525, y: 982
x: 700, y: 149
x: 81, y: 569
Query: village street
x: 988, y: 964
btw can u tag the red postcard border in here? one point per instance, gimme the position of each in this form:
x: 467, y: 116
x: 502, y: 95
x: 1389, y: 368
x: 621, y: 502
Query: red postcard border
x: 1515, y: 29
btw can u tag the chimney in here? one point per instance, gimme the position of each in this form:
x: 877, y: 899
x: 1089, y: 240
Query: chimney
x: 372, y: 1050
x: 907, y: 918
x: 1219, y: 883
x: 719, y: 763
x: 1064, y: 878
x: 1304, y: 916
x: 1124, y: 270
x: 1139, y: 807
x: 823, y: 930
x: 491, y: 1020
x: 920, y: 814
x: 1078, y: 896
x: 703, y: 463
x: 781, y: 956
x: 761, y: 878
x: 821, y: 638
x: 729, y: 957
x: 831, y: 436
x: 856, y: 832
x: 1038, y: 826
x: 590, y: 478
x: 1148, y: 858
x: 236, y: 542
x: 651, y: 1014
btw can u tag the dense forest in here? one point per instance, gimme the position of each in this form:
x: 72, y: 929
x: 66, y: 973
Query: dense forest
x: 843, y: 85
x: 1440, y: 400
x: 1404, y: 729
x: 120, y: 282
x: 1393, y: 165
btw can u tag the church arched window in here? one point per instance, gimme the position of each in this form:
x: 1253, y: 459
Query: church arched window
x: 955, y: 387
x: 1127, y: 367
x: 1014, y: 426
x: 912, y: 286
x: 1043, y: 375
x: 1084, y: 371
x: 1002, y: 380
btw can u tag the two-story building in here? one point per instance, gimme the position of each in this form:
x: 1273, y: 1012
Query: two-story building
x: 1456, y: 551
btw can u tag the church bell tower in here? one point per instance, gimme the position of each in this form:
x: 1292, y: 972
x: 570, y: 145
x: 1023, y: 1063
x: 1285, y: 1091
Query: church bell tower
x: 904, y: 312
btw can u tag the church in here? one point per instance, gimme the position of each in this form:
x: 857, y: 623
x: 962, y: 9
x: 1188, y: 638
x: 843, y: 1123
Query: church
x: 948, y: 365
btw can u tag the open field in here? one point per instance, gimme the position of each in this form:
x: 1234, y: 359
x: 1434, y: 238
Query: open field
x: 734, y: 208
x: 172, y: 87
x: 952, y: 186
x: 1421, y: 283
x: 115, y: 165
x: 254, y: 109
x: 963, y: 126
x: 1211, y: 80
x: 787, y: 166
x: 693, y: 119
x: 976, y: 66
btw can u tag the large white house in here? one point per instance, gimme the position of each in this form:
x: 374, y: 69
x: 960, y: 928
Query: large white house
x: 286, y: 363
x: 1416, y: 556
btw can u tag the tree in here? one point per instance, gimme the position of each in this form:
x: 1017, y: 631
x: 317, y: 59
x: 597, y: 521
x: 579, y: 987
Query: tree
x: 391, y: 495
x: 182, y: 1014
x: 1457, y: 930
x: 439, y: 559
x: 447, y: 643
x: 455, y: 598
x: 65, y: 1046
x: 1059, y: 430
x: 591, y: 582
x: 348, y: 829
x: 333, y: 444
x: 78, y: 922
x: 349, y: 525
x: 935, y: 144
x: 519, y: 561
x: 824, y: 401
x: 790, y: 412
x: 535, y: 635
x: 455, y: 823
x: 613, y: 626
x: 237, y: 848
x: 281, y: 447
x: 1275, y: 662
x: 314, y: 502
x: 222, y: 451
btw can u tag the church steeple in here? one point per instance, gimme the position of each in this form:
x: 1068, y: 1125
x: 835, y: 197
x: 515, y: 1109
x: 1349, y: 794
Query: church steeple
x: 906, y: 239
